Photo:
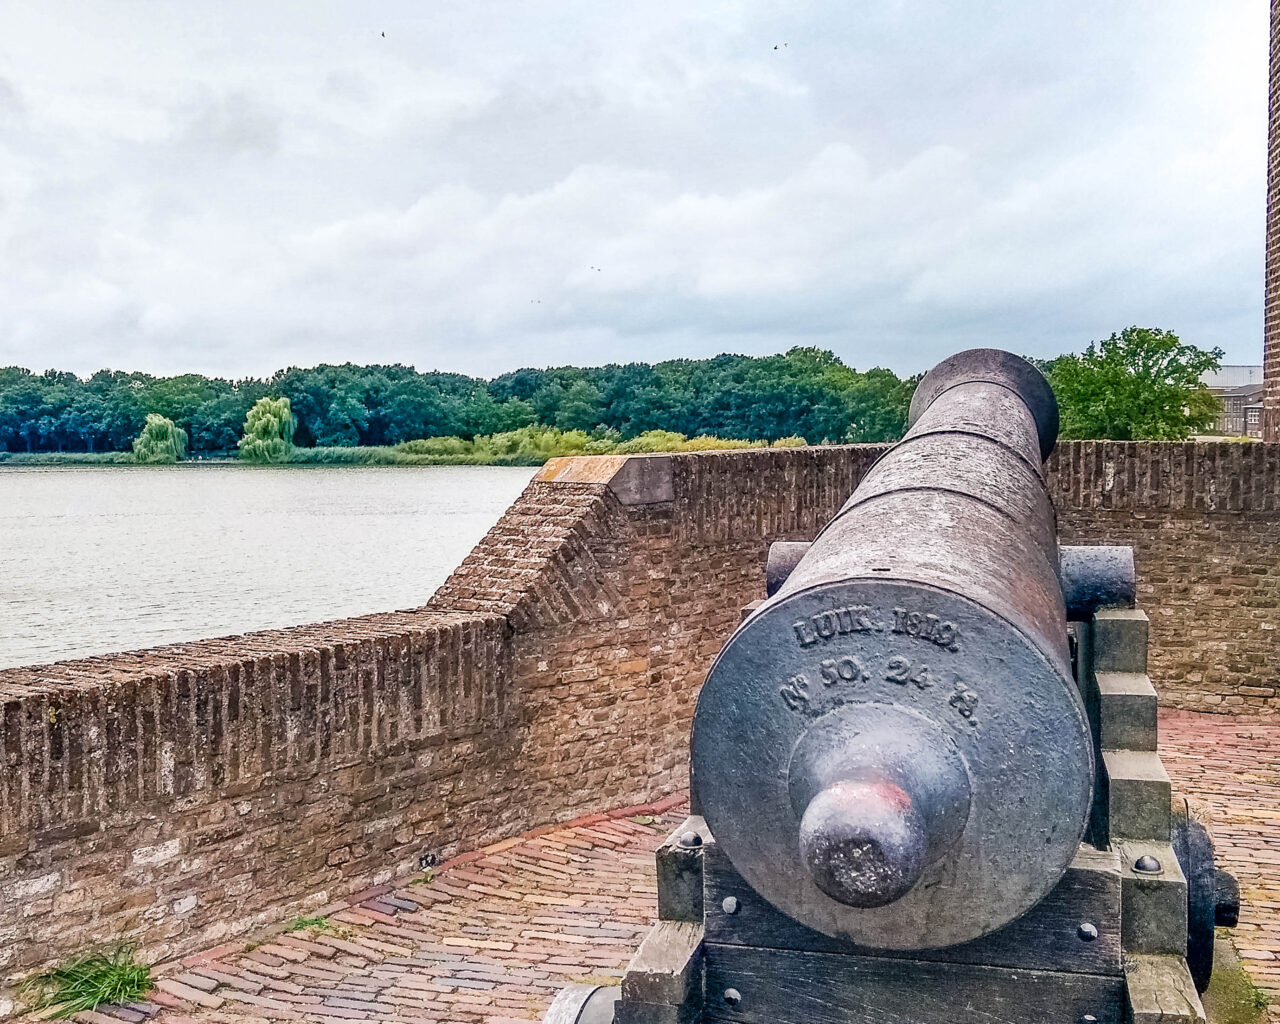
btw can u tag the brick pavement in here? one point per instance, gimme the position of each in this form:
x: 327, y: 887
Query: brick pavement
x: 1230, y: 768
x: 490, y: 938
x: 494, y: 934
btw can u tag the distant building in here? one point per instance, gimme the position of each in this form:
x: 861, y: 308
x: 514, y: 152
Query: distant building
x: 1233, y: 376
x: 1253, y: 419
x: 1237, y: 403
x: 1240, y: 388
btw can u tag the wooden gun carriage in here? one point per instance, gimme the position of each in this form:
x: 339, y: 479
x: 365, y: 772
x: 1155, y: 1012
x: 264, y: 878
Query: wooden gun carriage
x: 924, y: 778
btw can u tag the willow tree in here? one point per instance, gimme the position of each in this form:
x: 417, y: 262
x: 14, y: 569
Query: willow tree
x: 161, y: 442
x: 268, y: 431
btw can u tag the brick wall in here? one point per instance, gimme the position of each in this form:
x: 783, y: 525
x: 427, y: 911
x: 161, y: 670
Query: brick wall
x: 186, y: 794
x: 1204, y: 522
x: 1271, y: 328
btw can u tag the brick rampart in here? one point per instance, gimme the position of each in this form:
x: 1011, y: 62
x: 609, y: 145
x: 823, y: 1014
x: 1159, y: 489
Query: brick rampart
x: 186, y: 794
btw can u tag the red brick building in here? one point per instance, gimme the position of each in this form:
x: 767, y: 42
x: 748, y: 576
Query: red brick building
x: 1271, y: 330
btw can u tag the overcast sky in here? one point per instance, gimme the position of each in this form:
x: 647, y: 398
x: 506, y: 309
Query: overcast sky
x: 231, y: 188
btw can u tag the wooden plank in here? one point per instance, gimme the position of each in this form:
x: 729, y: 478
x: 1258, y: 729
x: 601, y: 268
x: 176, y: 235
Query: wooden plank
x: 1160, y: 991
x: 680, y: 874
x: 1045, y: 938
x: 1154, y: 906
x: 657, y: 1013
x: 667, y: 968
x: 1120, y: 640
x: 1138, y: 794
x: 774, y: 986
x: 1127, y: 711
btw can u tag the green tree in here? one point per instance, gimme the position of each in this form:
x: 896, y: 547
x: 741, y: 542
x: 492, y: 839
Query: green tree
x: 579, y: 408
x: 121, y: 395
x: 216, y: 424
x: 1140, y: 384
x: 23, y: 401
x: 160, y: 443
x: 878, y: 403
x: 85, y: 419
x: 179, y: 398
x: 268, y: 431
x: 482, y: 414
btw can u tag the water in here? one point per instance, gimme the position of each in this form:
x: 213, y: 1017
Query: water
x: 101, y: 559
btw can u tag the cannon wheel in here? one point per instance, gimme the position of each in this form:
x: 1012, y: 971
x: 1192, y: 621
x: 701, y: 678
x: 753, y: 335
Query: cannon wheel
x: 1194, y: 849
x: 583, y: 1004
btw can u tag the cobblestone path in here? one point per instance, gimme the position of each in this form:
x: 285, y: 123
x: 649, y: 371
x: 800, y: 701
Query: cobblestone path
x: 495, y: 934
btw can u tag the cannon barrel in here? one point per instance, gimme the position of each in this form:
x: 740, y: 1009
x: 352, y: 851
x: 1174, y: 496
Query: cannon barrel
x: 892, y: 748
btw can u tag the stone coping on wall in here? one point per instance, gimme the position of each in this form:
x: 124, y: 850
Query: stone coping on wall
x: 1204, y: 476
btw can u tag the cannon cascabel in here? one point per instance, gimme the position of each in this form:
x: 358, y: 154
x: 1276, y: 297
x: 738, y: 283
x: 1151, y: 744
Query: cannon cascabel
x: 892, y: 749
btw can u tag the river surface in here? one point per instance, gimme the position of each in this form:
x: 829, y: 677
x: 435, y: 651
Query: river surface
x: 102, y: 559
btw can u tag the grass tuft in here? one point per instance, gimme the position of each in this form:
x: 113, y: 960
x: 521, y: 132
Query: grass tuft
x: 299, y: 924
x: 317, y: 926
x: 593, y: 979
x: 1257, y: 998
x: 112, y: 975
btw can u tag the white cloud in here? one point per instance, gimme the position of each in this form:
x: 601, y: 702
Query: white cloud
x: 233, y: 188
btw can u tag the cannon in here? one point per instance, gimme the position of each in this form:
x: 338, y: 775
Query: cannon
x: 924, y: 783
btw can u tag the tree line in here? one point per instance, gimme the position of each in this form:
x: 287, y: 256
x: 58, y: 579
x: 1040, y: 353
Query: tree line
x: 1139, y: 383
x: 807, y: 393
